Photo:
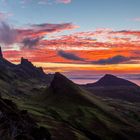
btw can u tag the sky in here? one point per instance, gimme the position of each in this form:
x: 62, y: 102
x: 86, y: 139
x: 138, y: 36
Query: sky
x: 77, y: 37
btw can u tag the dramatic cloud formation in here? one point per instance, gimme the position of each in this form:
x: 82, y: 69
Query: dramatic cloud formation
x: 8, y: 35
x: 60, y: 45
x: 69, y: 56
x: 116, y: 41
x: 30, y: 36
x: 30, y: 42
x: 40, y: 30
x: 113, y: 60
x: 42, y: 43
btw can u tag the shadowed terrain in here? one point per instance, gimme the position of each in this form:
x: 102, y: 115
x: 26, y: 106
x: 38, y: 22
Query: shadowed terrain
x: 18, y: 125
x: 59, y: 109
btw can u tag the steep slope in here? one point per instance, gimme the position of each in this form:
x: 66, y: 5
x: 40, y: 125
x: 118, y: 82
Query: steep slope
x: 65, y: 90
x: 116, y: 88
x: 21, y: 79
x: 4, y: 62
x: 67, y: 102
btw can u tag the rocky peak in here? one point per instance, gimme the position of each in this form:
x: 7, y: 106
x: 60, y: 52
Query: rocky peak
x: 111, y: 80
x: 25, y: 62
x: 30, y: 70
x: 1, y: 55
x: 109, y: 76
x: 61, y: 84
x: 59, y: 79
x: 4, y: 62
x: 40, y: 69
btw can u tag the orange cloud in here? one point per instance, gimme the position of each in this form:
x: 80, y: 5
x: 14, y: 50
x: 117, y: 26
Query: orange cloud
x: 39, y: 30
x: 88, y: 50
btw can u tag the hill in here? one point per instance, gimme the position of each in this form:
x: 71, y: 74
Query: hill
x: 116, y: 88
x: 65, y: 109
x: 81, y: 110
x: 17, y: 124
x: 20, y: 79
x: 111, y: 80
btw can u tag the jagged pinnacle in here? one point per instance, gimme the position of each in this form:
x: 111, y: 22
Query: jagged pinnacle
x: 1, y: 55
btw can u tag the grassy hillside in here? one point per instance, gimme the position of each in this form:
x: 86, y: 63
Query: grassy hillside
x: 66, y: 102
x: 72, y: 113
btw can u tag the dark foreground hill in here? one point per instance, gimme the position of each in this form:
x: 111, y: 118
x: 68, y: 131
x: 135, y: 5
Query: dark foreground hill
x: 116, y: 88
x: 18, y: 125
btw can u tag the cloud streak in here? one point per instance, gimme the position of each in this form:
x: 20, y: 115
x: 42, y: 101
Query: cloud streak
x: 118, y: 59
x: 42, y: 2
x: 64, y: 1
x: 30, y: 42
x: 69, y: 56
x: 40, y: 30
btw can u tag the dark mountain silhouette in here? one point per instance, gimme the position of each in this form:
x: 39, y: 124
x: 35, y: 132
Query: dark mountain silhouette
x: 63, y: 90
x: 111, y: 80
x: 62, y: 85
x: 1, y: 55
x: 29, y: 70
x: 4, y: 62
x: 24, y: 70
x: 116, y: 88
x: 6, y: 69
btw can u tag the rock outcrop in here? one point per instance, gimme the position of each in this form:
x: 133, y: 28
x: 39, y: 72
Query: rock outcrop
x: 18, y: 125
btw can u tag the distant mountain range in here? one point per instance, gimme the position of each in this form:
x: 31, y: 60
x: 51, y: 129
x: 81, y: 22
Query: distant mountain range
x: 52, y: 107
